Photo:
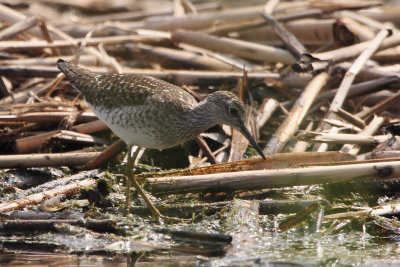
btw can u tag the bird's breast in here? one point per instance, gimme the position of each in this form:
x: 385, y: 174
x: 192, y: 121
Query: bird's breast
x: 146, y: 126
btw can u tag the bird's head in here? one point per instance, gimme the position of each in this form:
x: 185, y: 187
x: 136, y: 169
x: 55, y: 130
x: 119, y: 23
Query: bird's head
x: 231, y: 111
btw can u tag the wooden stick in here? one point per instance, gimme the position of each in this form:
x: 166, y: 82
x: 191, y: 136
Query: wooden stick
x: 205, y: 20
x: 379, y: 155
x: 369, y: 72
x: 266, y: 110
x: 90, y: 127
x: 270, y: 6
x: 14, y: 17
x: 309, y: 32
x: 330, y: 7
x: 68, y: 190
x: 49, y: 116
x: 105, y: 156
x: 359, y: 30
x: 285, y: 206
x: 296, y: 116
x: 203, y: 145
x: 18, y: 27
x: 104, y: 225
x: 5, y: 88
x: 32, y: 143
x: 301, y: 146
x: 239, y: 143
x: 188, y: 77
x: 382, y: 210
x: 350, y: 117
x: 381, y: 106
x: 342, y: 125
x: 234, y: 62
x: 143, y: 14
x: 196, y: 60
x: 46, y: 35
x: 277, y: 161
x: 337, y: 138
x: 370, y: 129
x: 250, y: 180
x: 299, y: 218
x: 313, y: 32
x: 46, y: 160
x: 89, y: 60
x: 356, y: 67
x: 239, y: 48
x: 347, y: 81
x: 354, y: 50
x: 290, y: 41
x: 16, y: 45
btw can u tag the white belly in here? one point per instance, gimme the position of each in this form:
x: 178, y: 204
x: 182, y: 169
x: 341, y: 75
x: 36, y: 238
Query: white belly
x: 138, y: 138
x: 139, y: 132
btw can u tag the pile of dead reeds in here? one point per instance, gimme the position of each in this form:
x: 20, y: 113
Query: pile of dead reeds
x: 318, y: 76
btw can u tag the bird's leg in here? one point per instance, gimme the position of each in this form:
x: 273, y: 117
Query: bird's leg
x: 129, y: 174
x: 131, y: 179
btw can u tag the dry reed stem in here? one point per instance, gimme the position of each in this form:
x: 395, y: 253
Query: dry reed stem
x: 296, y: 115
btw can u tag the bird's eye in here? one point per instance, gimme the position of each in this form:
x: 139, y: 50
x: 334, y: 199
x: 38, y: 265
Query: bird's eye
x: 233, y: 111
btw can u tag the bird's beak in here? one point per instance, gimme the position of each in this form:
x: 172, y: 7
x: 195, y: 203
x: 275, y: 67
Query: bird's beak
x: 253, y: 142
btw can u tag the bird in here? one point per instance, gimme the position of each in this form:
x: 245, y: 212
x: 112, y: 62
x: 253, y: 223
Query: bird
x: 148, y: 112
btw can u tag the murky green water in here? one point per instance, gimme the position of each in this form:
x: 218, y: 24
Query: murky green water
x: 273, y: 249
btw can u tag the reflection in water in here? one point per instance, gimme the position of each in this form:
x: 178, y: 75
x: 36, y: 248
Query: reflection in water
x: 57, y: 259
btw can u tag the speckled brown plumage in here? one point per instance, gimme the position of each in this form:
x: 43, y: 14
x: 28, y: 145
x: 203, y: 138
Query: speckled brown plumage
x: 152, y: 113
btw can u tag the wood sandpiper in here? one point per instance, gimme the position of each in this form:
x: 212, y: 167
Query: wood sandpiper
x: 149, y: 112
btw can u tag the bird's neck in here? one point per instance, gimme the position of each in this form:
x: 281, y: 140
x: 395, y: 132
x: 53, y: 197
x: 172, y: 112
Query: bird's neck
x: 202, y: 117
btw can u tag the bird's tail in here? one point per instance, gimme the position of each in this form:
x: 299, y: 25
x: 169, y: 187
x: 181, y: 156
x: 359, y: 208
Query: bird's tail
x: 81, y: 78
